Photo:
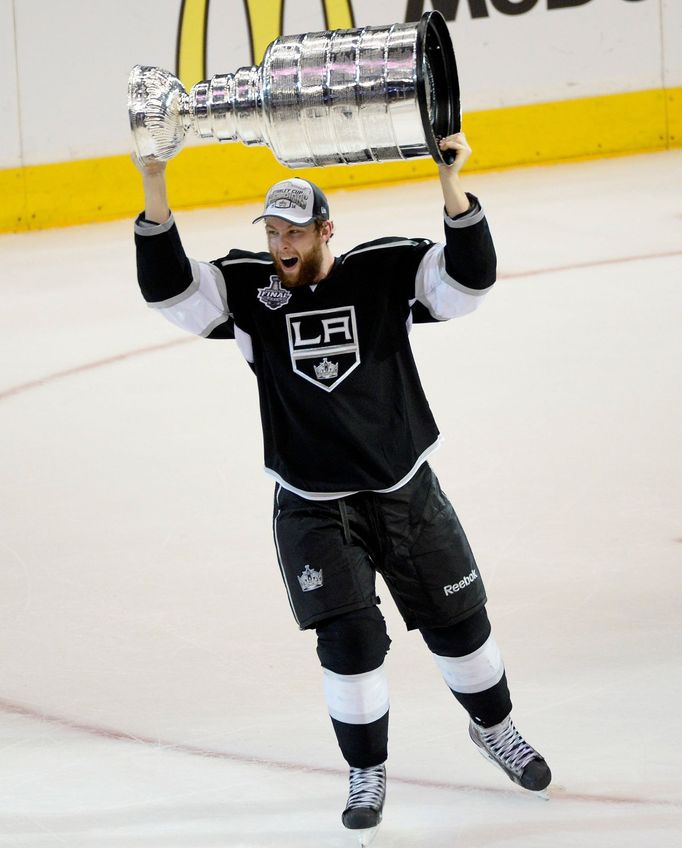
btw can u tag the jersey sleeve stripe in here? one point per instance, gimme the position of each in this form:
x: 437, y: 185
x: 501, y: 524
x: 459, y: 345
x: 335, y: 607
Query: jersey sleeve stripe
x: 202, y: 306
x: 474, y: 216
x: 442, y: 295
x: 191, y: 289
x: 150, y: 228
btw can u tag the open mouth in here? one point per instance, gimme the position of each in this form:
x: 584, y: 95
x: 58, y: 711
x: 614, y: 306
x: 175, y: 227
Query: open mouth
x: 289, y: 263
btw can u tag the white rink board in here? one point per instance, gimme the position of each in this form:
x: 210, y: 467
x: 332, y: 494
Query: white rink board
x: 672, y: 42
x: 73, y: 67
x: 73, y: 72
x: 10, y: 149
x: 601, y: 47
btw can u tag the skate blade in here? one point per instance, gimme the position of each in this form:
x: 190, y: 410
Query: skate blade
x: 366, y: 836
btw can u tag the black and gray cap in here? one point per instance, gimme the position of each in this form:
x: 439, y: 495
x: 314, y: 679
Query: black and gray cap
x: 295, y: 200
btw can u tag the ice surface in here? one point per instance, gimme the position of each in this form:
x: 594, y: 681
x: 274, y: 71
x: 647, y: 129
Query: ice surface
x: 156, y: 693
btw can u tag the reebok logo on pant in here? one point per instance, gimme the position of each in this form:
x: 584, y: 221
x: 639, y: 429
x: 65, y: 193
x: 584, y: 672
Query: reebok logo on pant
x: 453, y: 588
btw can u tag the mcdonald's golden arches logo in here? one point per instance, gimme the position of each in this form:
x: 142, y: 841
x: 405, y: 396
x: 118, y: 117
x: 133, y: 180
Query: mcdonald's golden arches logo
x: 265, y: 20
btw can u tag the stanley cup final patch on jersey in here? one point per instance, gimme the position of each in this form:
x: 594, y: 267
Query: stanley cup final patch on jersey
x: 324, y: 345
x: 274, y: 296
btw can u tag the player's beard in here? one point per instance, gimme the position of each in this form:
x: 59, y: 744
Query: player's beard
x: 307, y: 270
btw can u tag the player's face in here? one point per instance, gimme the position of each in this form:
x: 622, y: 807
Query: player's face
x: 296, y: 251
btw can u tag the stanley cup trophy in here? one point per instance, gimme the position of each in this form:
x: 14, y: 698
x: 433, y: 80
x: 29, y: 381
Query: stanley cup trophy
x: 326, y: 98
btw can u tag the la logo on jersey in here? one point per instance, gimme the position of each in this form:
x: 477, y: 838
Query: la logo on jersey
x: 324, y: 345
x: 274, y: 296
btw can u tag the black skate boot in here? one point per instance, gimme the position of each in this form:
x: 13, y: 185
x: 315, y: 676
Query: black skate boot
x: 504, y: 746
x: 367, y: 791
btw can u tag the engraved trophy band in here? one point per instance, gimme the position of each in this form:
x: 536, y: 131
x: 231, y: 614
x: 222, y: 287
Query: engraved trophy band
x: 325, y: 98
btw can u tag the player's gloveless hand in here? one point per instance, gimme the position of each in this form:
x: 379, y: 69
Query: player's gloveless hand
x: 148, y: 168
x: 457, y: 142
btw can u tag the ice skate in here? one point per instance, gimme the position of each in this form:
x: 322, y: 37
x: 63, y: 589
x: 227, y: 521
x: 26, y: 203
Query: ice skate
x: 504, y: 746
x: 367, y: 791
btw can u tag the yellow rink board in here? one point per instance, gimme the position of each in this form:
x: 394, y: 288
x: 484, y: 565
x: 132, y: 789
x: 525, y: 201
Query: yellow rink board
x: 88, y: 190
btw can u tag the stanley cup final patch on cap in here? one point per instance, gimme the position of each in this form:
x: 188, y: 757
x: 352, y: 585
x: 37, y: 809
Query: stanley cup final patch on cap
x: 295, y: 200
x: 289, y: 196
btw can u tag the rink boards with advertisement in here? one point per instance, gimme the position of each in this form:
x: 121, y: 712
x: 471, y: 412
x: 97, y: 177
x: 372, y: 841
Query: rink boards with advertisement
x: 541, y: 80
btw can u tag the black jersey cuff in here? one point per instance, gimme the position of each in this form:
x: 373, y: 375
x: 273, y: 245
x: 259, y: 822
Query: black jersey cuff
x: 469, y: 251
x: 163, y: 269
x: 473, y: 215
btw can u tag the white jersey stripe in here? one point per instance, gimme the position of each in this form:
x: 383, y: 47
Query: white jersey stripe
x: 247, y: 260
x: 244, y: 343
x: 399, y: 243
x: 330, y: 496
x: 202, y: 306
x: 443, y: 296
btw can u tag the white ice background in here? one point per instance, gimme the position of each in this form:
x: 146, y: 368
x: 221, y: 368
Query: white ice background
x: 154, y: 690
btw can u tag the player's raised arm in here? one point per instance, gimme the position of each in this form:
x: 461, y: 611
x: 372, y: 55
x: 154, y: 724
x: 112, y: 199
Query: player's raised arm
x: 153, y: 174
x: 188, y: 293
x: 454, y: 276
x: 456, y: 200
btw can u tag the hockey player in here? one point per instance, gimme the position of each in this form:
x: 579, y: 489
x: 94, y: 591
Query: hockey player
x: 347, y: 432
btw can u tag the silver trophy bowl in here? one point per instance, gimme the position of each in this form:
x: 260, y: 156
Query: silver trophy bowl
x: 338, y: 97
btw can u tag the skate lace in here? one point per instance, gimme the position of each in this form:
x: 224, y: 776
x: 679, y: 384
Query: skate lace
x: 367, y: 787
x: 508, y: 746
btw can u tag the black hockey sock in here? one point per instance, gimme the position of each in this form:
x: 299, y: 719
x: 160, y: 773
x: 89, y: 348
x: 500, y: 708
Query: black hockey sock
x: 363, y: 745
x: 470, y: 641
x: 352, y: 648
x: 488, y: 707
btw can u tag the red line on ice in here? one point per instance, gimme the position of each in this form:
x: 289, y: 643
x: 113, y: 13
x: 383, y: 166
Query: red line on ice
x: 111, y: 360
x: 10, y: 707
x: 595, y: 263
x: 91, y: 366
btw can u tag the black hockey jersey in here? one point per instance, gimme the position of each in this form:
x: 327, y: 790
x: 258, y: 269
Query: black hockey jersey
x: 341, y: 403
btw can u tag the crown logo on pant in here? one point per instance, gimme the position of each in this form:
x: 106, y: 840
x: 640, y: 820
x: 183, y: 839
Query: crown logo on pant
x: 310, y: 579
